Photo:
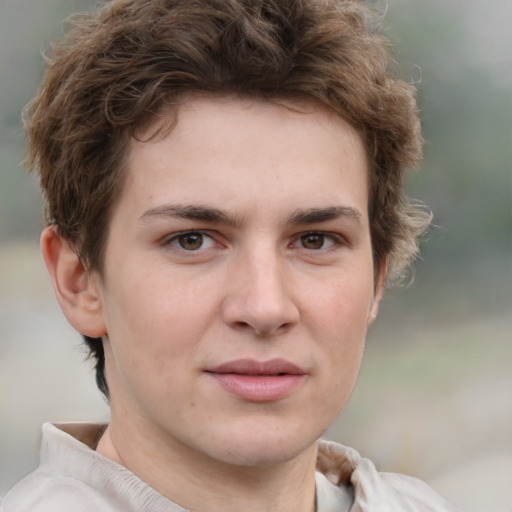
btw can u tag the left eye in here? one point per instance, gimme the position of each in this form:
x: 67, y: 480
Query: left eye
x: 192, y: 241
x: 316, y: 241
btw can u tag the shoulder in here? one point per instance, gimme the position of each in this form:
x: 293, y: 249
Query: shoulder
x: 54, y: 486
x: 45, y: 492
x: 72, y: 476
x: 399, y: 493
x: 374, y: 490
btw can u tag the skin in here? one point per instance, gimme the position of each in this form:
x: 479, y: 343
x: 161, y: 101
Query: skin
x: 241, y: 234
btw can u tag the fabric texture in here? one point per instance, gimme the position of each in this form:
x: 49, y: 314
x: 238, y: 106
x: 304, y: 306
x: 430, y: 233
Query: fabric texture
x: 72, y: 477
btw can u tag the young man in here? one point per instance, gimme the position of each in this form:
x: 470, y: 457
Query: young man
x: 224, y: 199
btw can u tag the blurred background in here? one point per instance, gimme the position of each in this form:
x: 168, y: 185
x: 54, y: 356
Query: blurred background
x: 435, y: 394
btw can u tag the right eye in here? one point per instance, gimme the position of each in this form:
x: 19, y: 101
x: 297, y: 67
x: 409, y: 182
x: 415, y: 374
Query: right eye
x: 191, y: 241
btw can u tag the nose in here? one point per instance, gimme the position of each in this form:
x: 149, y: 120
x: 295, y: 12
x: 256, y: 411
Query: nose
x: 260, y: 298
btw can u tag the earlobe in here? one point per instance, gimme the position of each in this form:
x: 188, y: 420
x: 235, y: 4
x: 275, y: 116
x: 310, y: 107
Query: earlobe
x: 75, y: 287
x: 380, y: 285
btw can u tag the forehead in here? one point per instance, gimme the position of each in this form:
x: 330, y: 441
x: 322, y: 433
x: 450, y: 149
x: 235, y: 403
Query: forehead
x: 227, y: 148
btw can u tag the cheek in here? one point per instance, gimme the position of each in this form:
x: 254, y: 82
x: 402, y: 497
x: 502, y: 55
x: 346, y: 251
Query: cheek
x: 340, y: 320
x: 341, y: 306
x: 157, y: 320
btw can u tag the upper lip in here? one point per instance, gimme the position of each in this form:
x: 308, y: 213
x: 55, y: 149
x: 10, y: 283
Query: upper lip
x: 253, y: 367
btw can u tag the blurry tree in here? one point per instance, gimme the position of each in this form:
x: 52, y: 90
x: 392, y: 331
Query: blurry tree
x: 458, y: 50
x: 26, y: 28
x: 460, y: 53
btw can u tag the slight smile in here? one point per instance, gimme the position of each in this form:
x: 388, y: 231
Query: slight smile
x: 256, y: 381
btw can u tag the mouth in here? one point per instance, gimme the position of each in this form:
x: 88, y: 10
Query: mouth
x: 257, y: 381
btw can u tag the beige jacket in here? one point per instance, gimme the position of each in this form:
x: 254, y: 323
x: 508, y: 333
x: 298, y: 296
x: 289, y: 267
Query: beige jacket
x: 72, y: 477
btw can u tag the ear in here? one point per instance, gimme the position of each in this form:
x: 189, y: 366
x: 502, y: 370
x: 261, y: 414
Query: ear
x: 380, y: 285
x: 76, y: 289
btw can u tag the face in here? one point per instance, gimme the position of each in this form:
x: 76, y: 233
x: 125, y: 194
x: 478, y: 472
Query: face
x: 238, y: 280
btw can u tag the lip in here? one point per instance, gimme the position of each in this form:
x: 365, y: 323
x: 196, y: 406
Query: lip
x: 259, y: 381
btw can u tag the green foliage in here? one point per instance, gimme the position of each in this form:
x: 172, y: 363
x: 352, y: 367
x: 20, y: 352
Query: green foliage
x: 466, y: 104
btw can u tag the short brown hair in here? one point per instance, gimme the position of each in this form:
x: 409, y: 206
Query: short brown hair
x: 110, y: 76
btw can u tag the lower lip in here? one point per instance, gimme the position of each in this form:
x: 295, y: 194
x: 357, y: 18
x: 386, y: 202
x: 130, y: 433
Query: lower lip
x: 259, y: 388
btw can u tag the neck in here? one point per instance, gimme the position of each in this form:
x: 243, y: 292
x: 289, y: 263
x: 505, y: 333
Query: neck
x: 200, y: 484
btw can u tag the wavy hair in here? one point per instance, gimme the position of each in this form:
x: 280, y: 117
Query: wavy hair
x: 118, y: 67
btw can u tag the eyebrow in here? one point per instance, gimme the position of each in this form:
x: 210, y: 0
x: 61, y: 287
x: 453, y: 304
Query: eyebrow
x: 315, y: 215
x: 216, y: 216
x: 191, y: 212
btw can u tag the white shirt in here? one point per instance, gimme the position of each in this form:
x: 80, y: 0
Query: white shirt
x: 73, y: 477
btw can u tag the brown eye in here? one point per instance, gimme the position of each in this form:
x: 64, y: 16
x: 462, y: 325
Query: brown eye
x: 317, y: 241
x: 190, y: 241
x: 312, y: 241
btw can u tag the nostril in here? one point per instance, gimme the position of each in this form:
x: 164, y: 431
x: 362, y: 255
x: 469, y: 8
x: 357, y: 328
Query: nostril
x: 269, y: 330
x: 242, y: 325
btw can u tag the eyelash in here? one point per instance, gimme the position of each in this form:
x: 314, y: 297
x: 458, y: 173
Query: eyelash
x: 174, y: 240
x: 335, y: 239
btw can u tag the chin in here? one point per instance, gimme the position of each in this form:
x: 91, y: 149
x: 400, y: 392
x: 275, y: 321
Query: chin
x: 263, y: 458
x: 265, y: 448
